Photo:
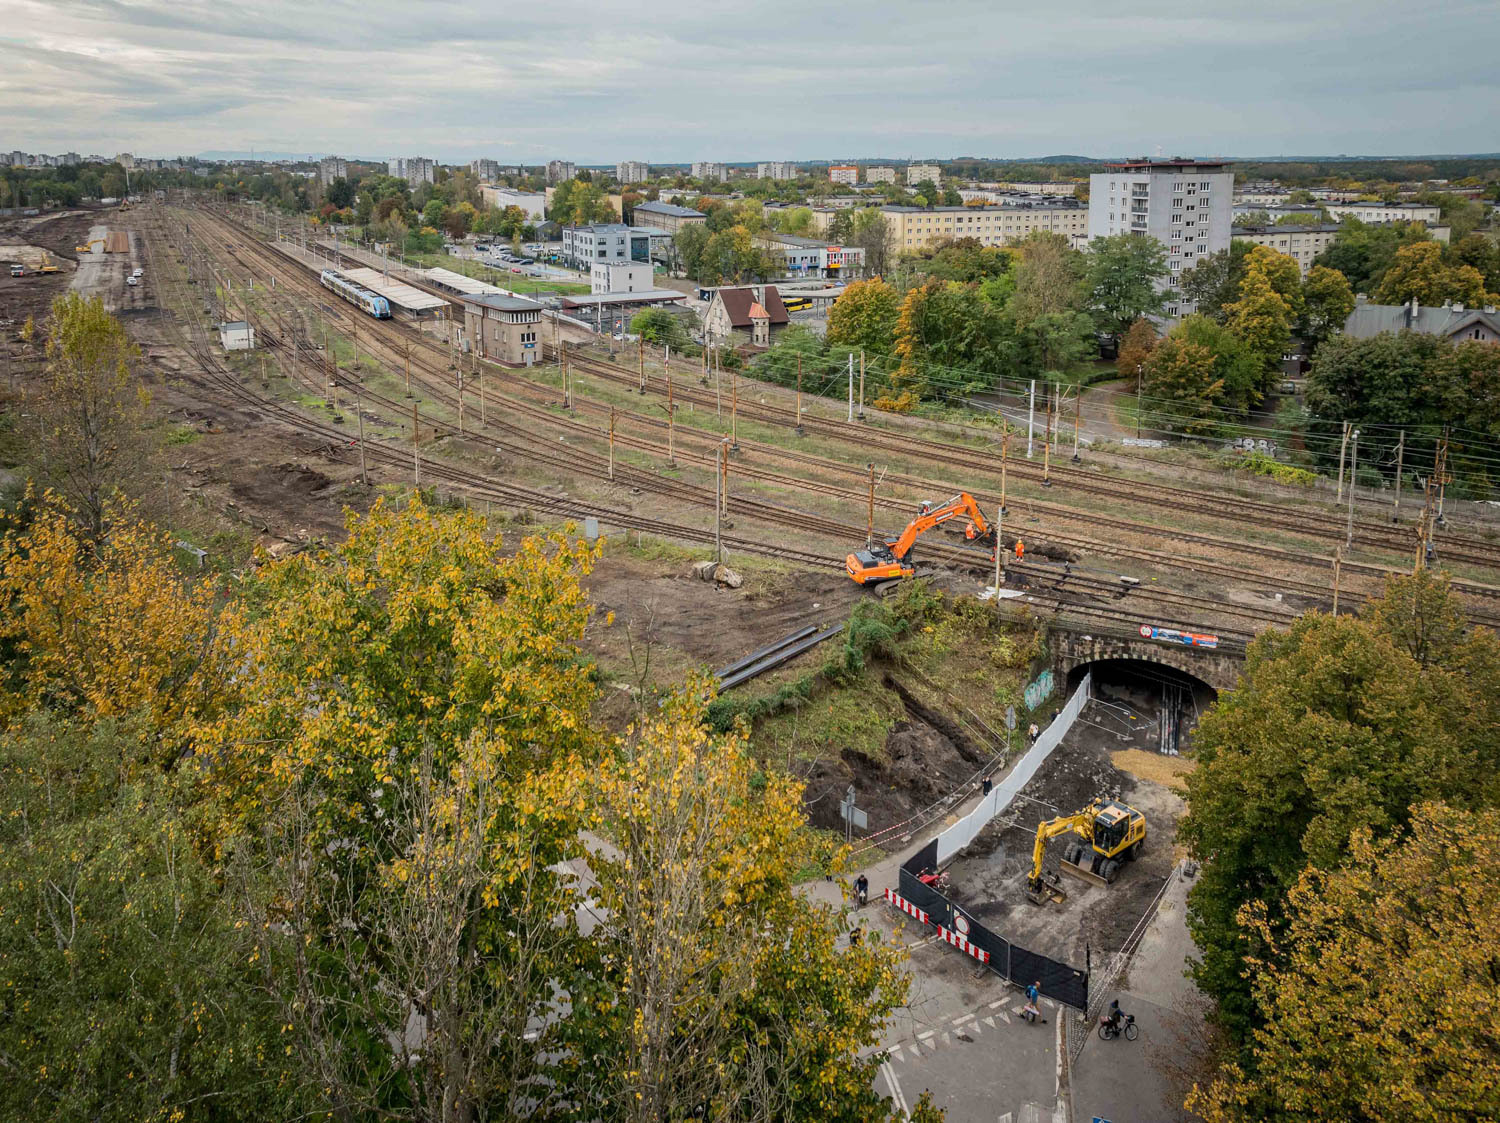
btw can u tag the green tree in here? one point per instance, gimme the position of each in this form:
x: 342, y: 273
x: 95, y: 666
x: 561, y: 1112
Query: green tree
x: 1046, y: 308
x: 864, y: 317
x: 1418, y: 272
x: 1379, y: 1002
x: 1262, y: 320
x: 1237, y: 371
x: 657, y: 325
x: 1482, y: 254
x: 1122, y: 276
x: 1135, y: 349
x: 1336, y: 726
x: 341, y: 193
x: 1214, y: 282
x: 1181, y: 380
x: 796, y: 347
x: 434, y: 214
x: 870, y: 232
x: 1363, y: 252
x: 1281, y: 271
x: 1327, y: 301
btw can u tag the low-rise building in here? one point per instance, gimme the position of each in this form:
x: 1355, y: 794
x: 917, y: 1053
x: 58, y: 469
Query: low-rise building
x: 533, y: 204
x: 632, y: 171
x: 1453, y: 322
x: 666, y: 216
x: 331, y: 168
x: 750, y: 313
x: 1386, y: 212
x: 560, y: 171
x: 776, y: 169
x: 585, y: 246
x: 847, y: 174
x: 621, y: 276
x: 915, y: 228
x: 503, y: 328
x: 918, y: 173
x: 709, y: 171
x: 1042, y: 187
x: 811, y: 257
x: 1303, y: 242
x: 880, y: 173
x: 236, y: 335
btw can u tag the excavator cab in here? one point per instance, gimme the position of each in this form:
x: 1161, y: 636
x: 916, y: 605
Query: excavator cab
x: 877, y: 564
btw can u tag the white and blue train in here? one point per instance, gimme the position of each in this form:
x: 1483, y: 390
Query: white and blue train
x: 372, y: 302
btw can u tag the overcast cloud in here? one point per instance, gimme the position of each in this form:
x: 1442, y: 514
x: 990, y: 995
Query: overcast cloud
x: 778, y: 79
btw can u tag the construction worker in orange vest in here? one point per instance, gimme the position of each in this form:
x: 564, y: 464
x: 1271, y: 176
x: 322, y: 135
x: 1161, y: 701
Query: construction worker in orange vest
x: 1020, y: 549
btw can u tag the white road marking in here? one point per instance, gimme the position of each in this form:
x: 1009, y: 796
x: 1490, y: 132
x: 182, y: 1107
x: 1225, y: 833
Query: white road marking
x: 947, y: 1040
x: 931, y: 1045
x: 990, y: 1022
x: 926, y: 1035
x: 965, y: 1018
x: 1003, y: 1016
x: 895, y: 1087
x: 995, y: 1005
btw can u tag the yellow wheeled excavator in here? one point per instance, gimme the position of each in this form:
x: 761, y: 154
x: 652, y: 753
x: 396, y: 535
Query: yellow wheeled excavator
x: 891, y: 561
x: 1112, y: 834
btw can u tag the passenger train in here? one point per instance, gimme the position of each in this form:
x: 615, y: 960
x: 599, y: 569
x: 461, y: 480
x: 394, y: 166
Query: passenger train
x: 373, y: 303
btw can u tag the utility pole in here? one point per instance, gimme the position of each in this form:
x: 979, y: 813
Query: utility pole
x: 1400, y: 453
x: 999, y: 549
x: 734, y: 411
x: 641, y: 358
x: 870, y: 515
x: 671, y: 426
x: 1343, y: 448
x: 416, y: 454
x: 718, y: 503
x: 1443, y: 479
x: 568, y: 384
x: 861, y: 384
x: 1047, y: 448
x: 1353, y: 462
x: 1077, y: 409
x: 359, y: 412
x: 1004, y: 456
x: 1030, y: 418
x: 460, y: 401
x: 1338, y: 561
x: 483, y: 418
x: 1138, y: 377
x: 798, y: 430
x: 611, y: 442
x: 851, y: 386
x: 724, y: 475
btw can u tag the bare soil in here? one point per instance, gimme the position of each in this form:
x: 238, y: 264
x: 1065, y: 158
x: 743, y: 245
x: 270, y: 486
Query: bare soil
x: 989, y: 878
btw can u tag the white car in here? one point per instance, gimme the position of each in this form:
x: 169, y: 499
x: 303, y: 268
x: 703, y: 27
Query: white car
x: 132, y: 280
x: 137, y: 272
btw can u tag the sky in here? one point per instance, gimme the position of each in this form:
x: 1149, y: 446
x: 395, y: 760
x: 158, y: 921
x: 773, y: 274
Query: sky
x: 770, y: 80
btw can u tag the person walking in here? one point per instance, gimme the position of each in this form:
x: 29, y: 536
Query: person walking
x: 1020, y: 549
x: 1033, y: 733
x: 862, y: 889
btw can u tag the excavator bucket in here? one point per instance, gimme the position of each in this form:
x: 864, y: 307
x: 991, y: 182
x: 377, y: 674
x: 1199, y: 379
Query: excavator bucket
x: 1046, y: 889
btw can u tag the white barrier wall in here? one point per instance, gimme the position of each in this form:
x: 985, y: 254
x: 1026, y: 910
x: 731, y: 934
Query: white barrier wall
x: 963, y: 832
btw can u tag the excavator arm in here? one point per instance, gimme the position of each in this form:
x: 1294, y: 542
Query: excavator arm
x: 1037, y: 884
x: 883, y: 563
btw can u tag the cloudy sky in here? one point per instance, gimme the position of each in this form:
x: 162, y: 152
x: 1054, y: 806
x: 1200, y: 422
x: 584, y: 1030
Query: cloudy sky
x: 773, y: 79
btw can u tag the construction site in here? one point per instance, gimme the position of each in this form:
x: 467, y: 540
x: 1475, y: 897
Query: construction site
x: 896, y: 609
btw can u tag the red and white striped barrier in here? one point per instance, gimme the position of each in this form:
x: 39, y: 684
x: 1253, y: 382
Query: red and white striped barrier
x: 963, y: 945
x: 906, y: 906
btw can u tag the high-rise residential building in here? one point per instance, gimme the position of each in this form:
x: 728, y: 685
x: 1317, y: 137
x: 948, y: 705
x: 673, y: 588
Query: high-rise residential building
x: 331, y: 168
x: 880, y: 174
x: 776, y: 169
x: 560, y: 171
x: 710, y: 172
x: 68, y: 159
x: 125, y: 160
x: 1186, y: 205
x: 632, y: 171
x: 416, y: 170
x: 918, y: 173
x: 485, y: 171
x: 844, y: 173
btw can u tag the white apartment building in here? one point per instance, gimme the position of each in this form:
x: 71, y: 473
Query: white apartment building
x: 1386, y: 212
x: 331, y: 168
x: 776, y: 169
x: 709, y: 171
x: 560, y: 171
x: 847, y: 174
x: 485, y: 171
x: 416, y: 170
x: 915, y: 228
x: 632, y: 171
x: 1186, y: 205
x: 879, y: 173
x: 532, y: 203
x: 916, y: 173
x: 1048, y: 187
x: 621, y: 276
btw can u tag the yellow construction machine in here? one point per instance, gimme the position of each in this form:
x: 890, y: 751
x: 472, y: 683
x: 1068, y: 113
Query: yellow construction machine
x: 88, y: 247
x: 1112, y: 834
x: 49, y: 264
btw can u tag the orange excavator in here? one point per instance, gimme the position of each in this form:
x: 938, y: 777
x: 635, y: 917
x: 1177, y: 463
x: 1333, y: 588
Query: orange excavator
x: 891, y: 561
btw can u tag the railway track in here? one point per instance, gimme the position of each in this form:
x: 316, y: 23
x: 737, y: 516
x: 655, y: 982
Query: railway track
x: 522, y: 442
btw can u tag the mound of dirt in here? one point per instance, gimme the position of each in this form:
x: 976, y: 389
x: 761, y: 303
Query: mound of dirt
x: 921, y: 765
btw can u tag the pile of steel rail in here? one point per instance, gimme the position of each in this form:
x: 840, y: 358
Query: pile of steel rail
x: 773, y: 655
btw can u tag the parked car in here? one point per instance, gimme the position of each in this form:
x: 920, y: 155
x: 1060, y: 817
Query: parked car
x: 482, y: 247
x: 132, y: 281
x: 137, y: 272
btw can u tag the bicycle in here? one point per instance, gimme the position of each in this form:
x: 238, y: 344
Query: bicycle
x: 1126, y: 1027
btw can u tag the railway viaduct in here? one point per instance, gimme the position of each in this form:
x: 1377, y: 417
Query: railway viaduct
x: 1073, y: 649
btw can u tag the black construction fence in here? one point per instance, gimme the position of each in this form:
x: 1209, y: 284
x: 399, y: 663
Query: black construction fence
x: 1059, y: 981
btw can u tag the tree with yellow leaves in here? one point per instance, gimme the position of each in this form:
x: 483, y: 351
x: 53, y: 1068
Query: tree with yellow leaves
x: 720, y: 992
x: 1381, y: 1005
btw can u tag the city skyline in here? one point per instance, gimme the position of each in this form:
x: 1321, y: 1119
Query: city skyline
x: 1006, y: 82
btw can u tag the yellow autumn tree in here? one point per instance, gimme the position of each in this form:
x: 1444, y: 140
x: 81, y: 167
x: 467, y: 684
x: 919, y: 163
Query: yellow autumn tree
x: 108, y: 625
x: 722, y: 989
x: 1384, y: 1008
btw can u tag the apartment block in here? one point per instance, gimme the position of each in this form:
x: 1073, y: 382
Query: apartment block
x: 632, y: 171
x: 917, y: 173
x: 710, y: 172
x: 532, y: 203
x: 879, y: 173
x: 416, y: 170
x: 847, y: 174
x: 485, y: 171
x: 331, y: 168
x: 916, y: 228
x: 560, y: 171
x: 776, y: 169
x: 1186, y: 205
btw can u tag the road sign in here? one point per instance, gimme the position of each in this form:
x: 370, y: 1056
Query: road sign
x: 860, y: 820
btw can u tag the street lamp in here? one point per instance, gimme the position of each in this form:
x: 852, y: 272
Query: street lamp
x: 1137, y: 401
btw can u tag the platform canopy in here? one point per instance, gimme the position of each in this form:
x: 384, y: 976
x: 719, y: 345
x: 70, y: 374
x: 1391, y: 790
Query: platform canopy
x: 407, y: 296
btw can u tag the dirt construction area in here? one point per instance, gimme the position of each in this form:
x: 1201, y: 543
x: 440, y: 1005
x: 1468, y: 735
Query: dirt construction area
x: 1103, y: 755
